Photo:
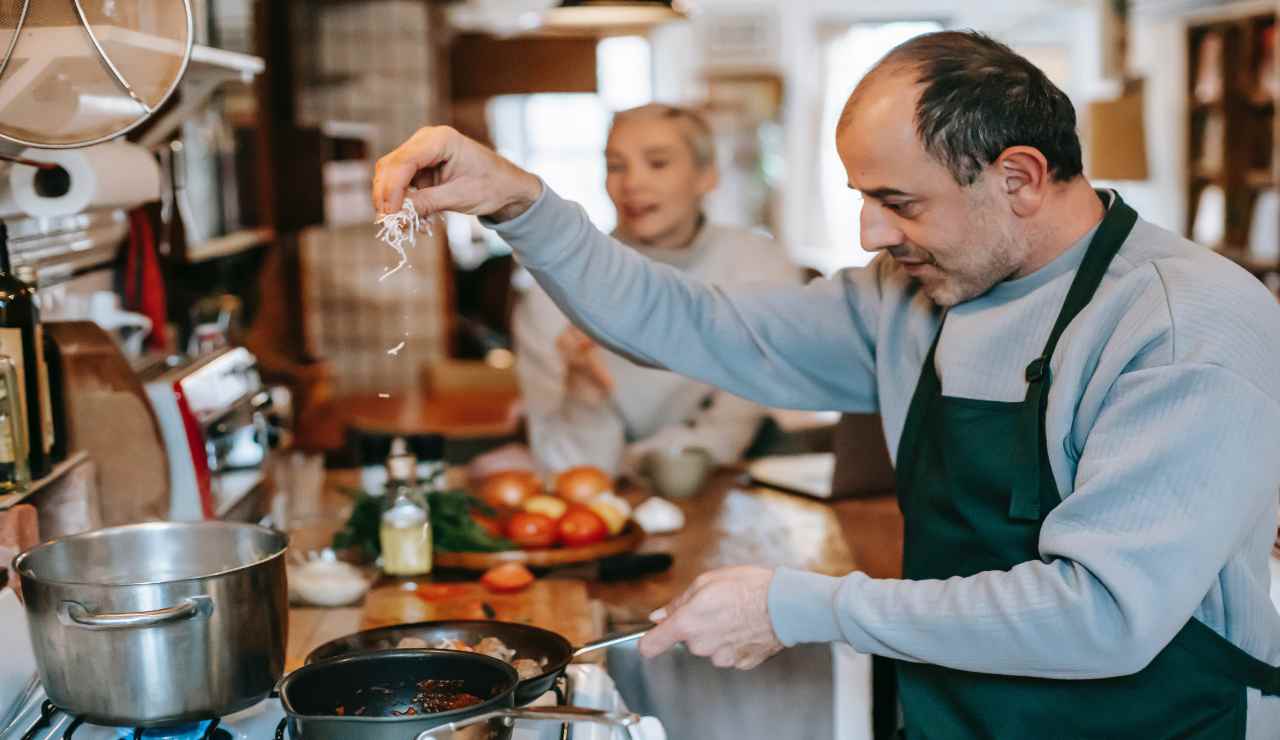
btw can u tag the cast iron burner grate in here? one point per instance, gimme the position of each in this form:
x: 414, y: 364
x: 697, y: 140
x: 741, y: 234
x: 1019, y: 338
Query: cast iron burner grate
x: 205, y: 730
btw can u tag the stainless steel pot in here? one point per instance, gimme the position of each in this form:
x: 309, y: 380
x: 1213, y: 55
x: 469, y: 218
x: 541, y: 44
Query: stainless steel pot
x: 154, y: 624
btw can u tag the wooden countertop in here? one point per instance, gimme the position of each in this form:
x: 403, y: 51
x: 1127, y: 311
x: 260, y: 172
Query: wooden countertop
x: 727, y: 523
x: 730, y: 524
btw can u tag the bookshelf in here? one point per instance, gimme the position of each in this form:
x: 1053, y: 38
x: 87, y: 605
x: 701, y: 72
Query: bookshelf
x: 1233, y: 81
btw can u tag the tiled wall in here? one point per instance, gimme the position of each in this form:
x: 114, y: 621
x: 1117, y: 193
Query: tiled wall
x: 369, y: 63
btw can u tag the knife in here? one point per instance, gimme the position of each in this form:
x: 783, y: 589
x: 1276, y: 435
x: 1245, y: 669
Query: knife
x: 624, y: 567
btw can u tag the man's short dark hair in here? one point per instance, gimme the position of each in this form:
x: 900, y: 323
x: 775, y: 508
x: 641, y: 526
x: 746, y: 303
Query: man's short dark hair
x: 978, y: 98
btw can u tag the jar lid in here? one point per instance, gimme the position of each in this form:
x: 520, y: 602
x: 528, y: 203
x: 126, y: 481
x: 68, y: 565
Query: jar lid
x: 402, y: 467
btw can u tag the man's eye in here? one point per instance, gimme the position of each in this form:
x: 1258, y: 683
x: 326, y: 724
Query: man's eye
x: 614, y: 168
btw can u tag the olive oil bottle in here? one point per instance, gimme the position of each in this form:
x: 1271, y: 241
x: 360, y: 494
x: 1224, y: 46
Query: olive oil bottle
x: 21, y: 342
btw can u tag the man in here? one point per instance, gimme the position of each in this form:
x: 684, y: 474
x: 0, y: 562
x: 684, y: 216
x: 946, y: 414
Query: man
x: 1084, y: 407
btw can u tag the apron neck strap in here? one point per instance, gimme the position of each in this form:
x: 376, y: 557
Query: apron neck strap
x: 1112, y: 232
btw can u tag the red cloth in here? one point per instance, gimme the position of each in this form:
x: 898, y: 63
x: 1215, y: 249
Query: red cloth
x: 143, y: 280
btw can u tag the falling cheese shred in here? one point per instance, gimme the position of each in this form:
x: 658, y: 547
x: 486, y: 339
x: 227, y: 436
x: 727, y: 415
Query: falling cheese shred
x: 400, y: 229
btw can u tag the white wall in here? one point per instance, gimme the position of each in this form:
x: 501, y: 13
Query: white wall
x: 678, y: 63
x: 1157, y: 53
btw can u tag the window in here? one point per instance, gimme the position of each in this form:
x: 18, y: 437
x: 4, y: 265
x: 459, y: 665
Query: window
x: 562, y: 136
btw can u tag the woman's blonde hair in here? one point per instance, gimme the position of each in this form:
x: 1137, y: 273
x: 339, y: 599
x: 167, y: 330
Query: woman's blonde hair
x: 694, y: 128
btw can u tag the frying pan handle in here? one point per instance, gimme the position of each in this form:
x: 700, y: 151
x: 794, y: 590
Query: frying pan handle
x: 552, y: 714
x: 609, y: 642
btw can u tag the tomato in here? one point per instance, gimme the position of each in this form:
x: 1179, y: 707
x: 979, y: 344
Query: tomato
x: 581, y: 526
x: 439, y: 591
x: 532, y: 530
x: 489, y: 524
x: 507, y: 577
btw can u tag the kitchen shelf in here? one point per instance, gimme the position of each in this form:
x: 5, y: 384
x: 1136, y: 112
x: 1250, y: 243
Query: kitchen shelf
x: 209, y: 69
x: 10, y: 500
x: 1259, y: 179
x: 208, y: 63
x: 225, y: 246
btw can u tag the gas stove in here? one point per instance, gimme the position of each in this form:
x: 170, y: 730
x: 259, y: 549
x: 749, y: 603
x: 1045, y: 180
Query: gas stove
x: 29, y: 716
x: 588, y: 686
x: 39, y: 720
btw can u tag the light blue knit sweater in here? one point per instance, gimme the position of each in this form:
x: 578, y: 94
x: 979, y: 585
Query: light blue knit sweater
x: 1163, y: 425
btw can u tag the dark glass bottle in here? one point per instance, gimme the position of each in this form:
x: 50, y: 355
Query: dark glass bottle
x: 20, y: 340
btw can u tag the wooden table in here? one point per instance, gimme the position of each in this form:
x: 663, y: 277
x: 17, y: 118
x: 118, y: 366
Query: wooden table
x: 465, y: 415
x: 726, y: 524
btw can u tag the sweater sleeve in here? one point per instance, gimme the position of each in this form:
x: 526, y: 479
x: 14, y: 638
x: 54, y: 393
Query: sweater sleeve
x: 810, y: 347
x: 1177, y: 469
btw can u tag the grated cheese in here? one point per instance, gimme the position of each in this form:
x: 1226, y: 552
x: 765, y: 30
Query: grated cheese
x: 399, y: 229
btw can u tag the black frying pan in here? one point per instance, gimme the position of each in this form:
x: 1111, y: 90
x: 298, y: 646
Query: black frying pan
x: 357, y: 698
x: 528, y: 642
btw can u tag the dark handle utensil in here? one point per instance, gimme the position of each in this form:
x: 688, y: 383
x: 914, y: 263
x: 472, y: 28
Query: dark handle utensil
x: 634, y: 565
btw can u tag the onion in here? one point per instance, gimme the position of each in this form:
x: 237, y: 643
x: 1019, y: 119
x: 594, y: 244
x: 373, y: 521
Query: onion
x: 509, y: 489
x: 583, y: 483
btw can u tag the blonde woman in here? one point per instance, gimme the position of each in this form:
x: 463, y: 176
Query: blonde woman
x: 589, y: 406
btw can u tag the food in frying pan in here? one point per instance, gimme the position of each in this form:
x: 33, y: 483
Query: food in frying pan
x: 433, y: 695
x: 490, y: 646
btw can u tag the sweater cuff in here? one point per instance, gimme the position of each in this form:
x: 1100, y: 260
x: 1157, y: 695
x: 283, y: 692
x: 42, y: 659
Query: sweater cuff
x: 802, y: 606
x: 538, y: 235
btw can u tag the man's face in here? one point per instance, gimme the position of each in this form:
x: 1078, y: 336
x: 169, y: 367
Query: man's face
x: 958, y: 242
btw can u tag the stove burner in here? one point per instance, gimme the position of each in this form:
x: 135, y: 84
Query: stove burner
x: 203, y: 730
x: 47, y: 710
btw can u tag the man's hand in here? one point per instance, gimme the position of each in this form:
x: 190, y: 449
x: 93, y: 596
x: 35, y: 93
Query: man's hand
x: 583, y: 361
x: 724, y: 615
x: 454, y: 174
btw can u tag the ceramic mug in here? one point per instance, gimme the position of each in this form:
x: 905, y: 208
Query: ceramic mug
x: 678, y: 472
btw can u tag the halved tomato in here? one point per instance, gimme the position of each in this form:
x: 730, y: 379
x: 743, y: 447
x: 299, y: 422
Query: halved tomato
x: 507, y: 577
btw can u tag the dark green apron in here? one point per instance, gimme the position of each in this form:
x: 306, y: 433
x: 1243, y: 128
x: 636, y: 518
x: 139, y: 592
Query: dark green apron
x: 974, y: 485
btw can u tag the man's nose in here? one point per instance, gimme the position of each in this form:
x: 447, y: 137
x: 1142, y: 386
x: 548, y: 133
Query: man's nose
x: 878, y: 231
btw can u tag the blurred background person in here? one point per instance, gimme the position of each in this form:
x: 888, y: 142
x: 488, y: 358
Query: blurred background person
x: 589, y: 406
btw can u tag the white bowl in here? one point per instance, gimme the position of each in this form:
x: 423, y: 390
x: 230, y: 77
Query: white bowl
x: 327, y: 583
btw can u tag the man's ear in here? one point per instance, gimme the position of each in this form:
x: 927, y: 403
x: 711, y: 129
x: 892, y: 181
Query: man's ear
x: 1023, y: 177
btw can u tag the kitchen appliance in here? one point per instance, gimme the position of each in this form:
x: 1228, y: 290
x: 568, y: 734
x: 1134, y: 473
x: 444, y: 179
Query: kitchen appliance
x: 528, y: 641
x: 217, y: 424
x: 366, y: 696
x: 157, y: 624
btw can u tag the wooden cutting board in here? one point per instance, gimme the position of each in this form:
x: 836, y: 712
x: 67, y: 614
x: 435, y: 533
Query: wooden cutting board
x: 556, y: 604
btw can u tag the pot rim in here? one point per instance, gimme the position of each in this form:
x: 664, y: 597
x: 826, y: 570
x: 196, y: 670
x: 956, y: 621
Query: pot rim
x: 19, y: 562
x: 444, y: 717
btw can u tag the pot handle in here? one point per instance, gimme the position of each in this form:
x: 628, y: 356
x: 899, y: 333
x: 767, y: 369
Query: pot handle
x: 74, y: 613
x: 625, y: 720
x: 609, y: 642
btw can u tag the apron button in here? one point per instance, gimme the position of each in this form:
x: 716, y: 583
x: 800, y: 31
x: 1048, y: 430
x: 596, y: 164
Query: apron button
x: 1036, y: 371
